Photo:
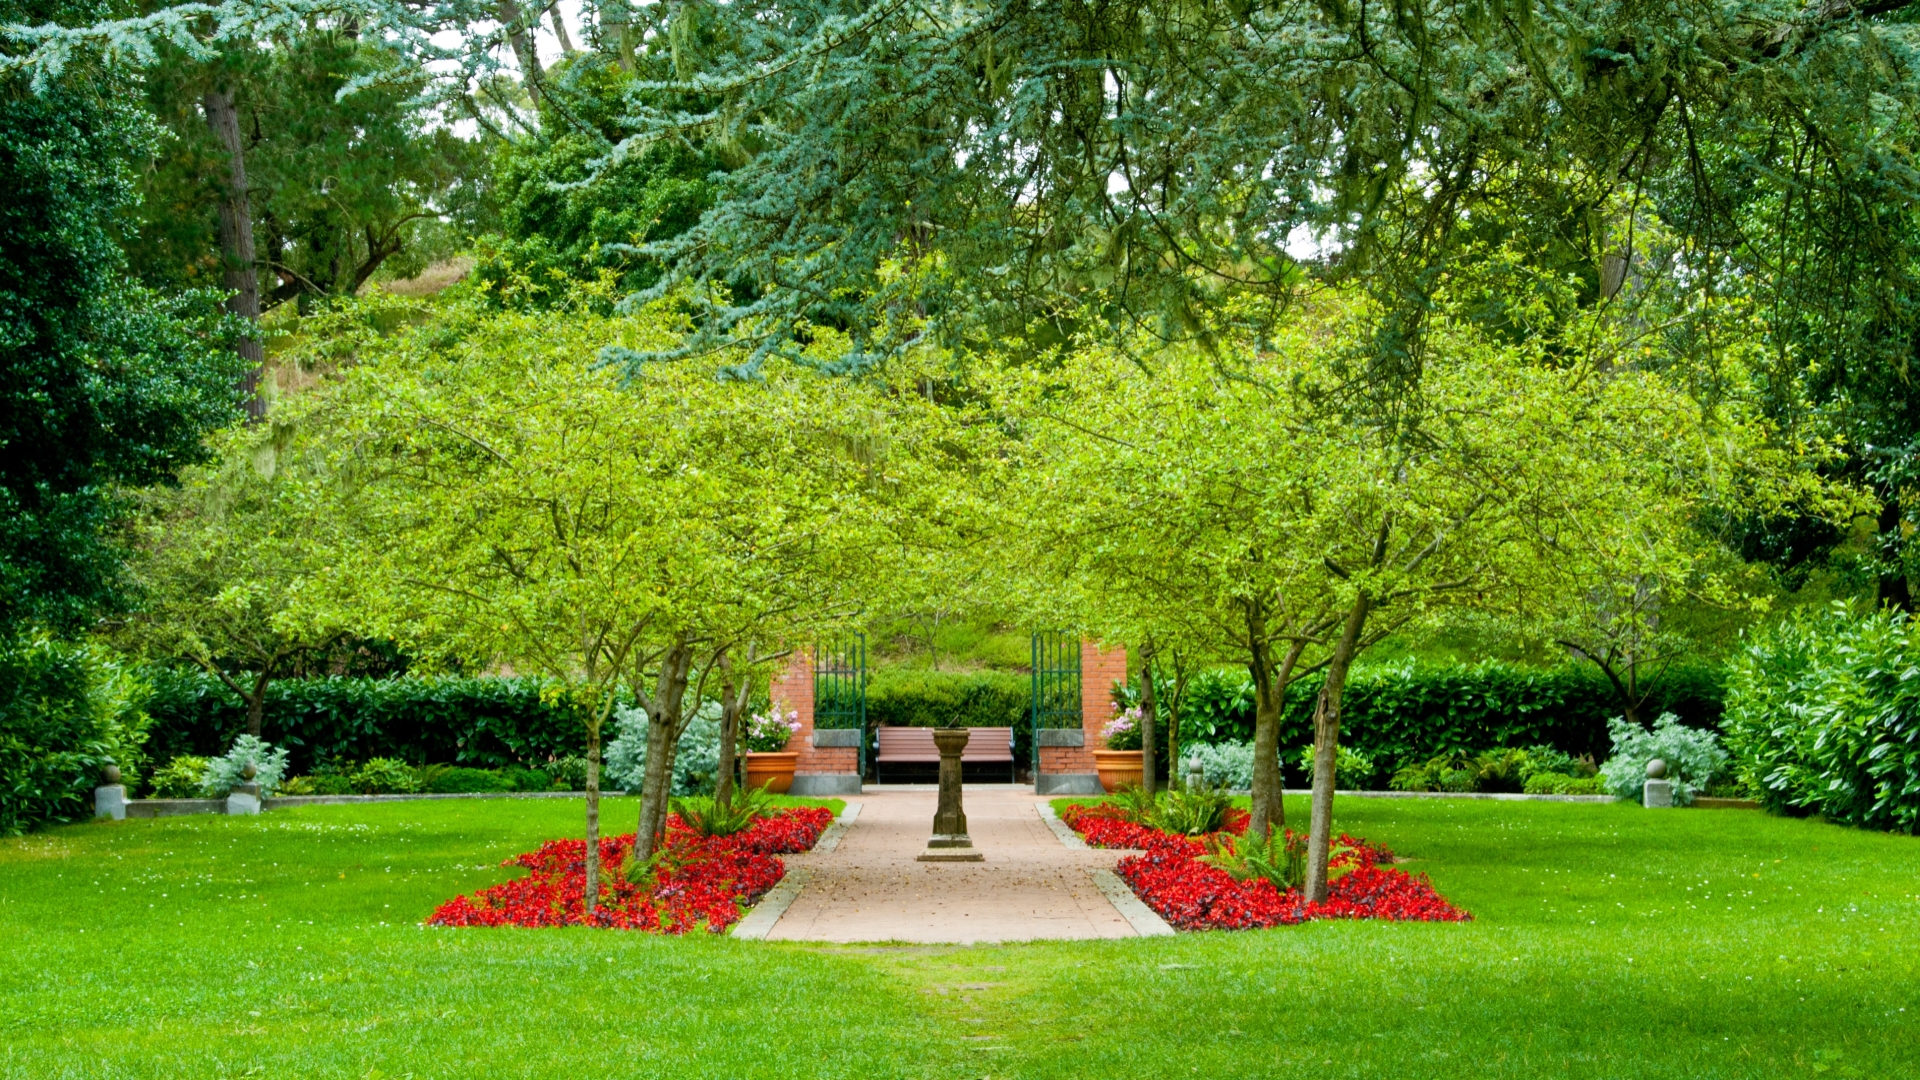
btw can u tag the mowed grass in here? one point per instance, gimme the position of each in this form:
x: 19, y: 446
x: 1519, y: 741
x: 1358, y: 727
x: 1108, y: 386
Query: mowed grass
x: 1609, y: 941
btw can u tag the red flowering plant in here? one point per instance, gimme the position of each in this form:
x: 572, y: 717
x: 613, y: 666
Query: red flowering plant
x: 693, y: 882
x: 1186, y: 879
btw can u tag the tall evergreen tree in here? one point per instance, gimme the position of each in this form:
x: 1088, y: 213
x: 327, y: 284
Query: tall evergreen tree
x: 104, y: 385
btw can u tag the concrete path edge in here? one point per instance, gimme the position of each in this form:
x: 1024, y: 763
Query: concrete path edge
x: 1067, y: 836
x: 830, y: 839
x: 1142, y: 918
x: 756, y: 924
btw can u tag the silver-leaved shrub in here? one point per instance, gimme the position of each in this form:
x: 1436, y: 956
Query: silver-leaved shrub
x: 1693, y: 756
x: 269, y: 768
x: 695, y: 766
x: 1226, y: 765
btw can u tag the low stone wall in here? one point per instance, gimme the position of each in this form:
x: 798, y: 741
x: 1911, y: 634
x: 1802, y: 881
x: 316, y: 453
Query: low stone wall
x: 159, y: 808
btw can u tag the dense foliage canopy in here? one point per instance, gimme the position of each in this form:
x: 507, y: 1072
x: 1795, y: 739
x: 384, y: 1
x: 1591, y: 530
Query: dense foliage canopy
x: 103, y: 384
x: 1250, y: 331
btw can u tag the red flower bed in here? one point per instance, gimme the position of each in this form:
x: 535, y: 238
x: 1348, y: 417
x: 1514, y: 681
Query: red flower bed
x: 698, y: 882
x: 1192, y: 895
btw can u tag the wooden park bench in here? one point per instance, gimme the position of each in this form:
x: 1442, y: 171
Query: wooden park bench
x: 914, y: 746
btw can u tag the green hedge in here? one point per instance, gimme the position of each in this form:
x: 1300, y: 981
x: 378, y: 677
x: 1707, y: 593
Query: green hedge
x: 65, y: 710
x: 1407, y: 712
x: 1823, y: 716
x: 481, y: 722
x: 1393, y: 713
x: 905, y: 697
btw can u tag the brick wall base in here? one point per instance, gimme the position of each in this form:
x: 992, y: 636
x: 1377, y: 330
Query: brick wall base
x: 827, y: 759
x: 1065, y: 759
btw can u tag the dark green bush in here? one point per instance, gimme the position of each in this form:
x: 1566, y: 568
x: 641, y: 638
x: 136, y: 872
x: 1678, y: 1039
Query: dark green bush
x: 179, y: 778
x: 333, y: 785
x: 1408, y: 713
x: 385, y: 776
x: 65, y: 710
x: 566, y: 774
x: 1823, y: 716
x: 478, y: 722
x: 524, y: 779
x: 462, y: 780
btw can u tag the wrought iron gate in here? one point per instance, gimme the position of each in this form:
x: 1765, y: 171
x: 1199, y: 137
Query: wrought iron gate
x: 1056, y: 681
x: 840, y: 687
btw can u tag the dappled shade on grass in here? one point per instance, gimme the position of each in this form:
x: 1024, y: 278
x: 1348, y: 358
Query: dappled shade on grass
x: 694, y: 882
x: 1171, y: 878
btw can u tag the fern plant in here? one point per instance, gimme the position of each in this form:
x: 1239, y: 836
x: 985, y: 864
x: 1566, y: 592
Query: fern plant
x: 1280, y: 857
x: 705, y: 816
x: 1135, y: 804
x: 1502, y: 770
x: 1194, y: 812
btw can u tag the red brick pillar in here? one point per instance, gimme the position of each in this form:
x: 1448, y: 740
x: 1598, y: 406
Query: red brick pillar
x: 1100, y: 668
x: 1065, y: 755
x: 829, y: 760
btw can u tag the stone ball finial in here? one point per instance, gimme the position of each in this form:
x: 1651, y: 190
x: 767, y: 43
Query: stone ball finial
x: 1656, y: 769
x: 249, y: 772
x: 109, y: 774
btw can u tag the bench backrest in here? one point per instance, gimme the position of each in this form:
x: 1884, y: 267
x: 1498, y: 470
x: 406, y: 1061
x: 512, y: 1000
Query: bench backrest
x: 916, y: 744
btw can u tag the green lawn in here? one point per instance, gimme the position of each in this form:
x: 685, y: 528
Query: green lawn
x: 1611, y: 942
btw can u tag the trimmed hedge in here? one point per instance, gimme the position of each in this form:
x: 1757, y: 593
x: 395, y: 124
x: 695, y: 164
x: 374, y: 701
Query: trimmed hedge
x: 1407, y: 712
x: 479, y: 722
x: 1394, y: 713
x: 1823, y: 716
x: 905, y: 697
x: 65, y: 710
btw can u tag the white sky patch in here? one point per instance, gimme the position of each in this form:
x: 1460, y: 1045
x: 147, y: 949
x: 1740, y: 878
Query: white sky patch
x: 1307, y: 244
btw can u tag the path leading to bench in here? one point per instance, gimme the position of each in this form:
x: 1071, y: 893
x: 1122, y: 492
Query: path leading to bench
x: 1030, y: 886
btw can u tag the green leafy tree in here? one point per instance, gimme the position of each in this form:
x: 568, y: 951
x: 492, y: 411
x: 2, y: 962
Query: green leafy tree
x: 335, y: 188
x: 651, y: 536
x: 104, y: 386
x: 563, y: 221
x: 222, y: 562
x: 1248, y: 485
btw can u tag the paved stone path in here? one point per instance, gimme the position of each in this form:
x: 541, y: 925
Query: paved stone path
x: 1030, y: 886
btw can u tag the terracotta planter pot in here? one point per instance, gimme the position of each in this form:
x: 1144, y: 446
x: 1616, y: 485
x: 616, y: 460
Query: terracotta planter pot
x: 774, y: 771
x: 1118, y: 767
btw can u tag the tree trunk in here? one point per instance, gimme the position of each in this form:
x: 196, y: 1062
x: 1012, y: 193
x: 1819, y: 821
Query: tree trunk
x: 592, y: 893
x: 616, y: 31
x: 560, y: 31
x: 1148, y: 707
x: 656, y: 788
x: 257, y: 703
x: 723, y: 778
x: 1269, y: 810
x: 733, y: 701
x: 664, y: 724
x: 524, y: 53
x: 1173, y: 724
x: 1326, y: 745
x: 239, y: 274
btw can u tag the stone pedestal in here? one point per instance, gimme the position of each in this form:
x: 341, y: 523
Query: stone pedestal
x: 1658, y: 794
x: 110, y: 801
x: 244, y: 799
x: 950, y: 842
